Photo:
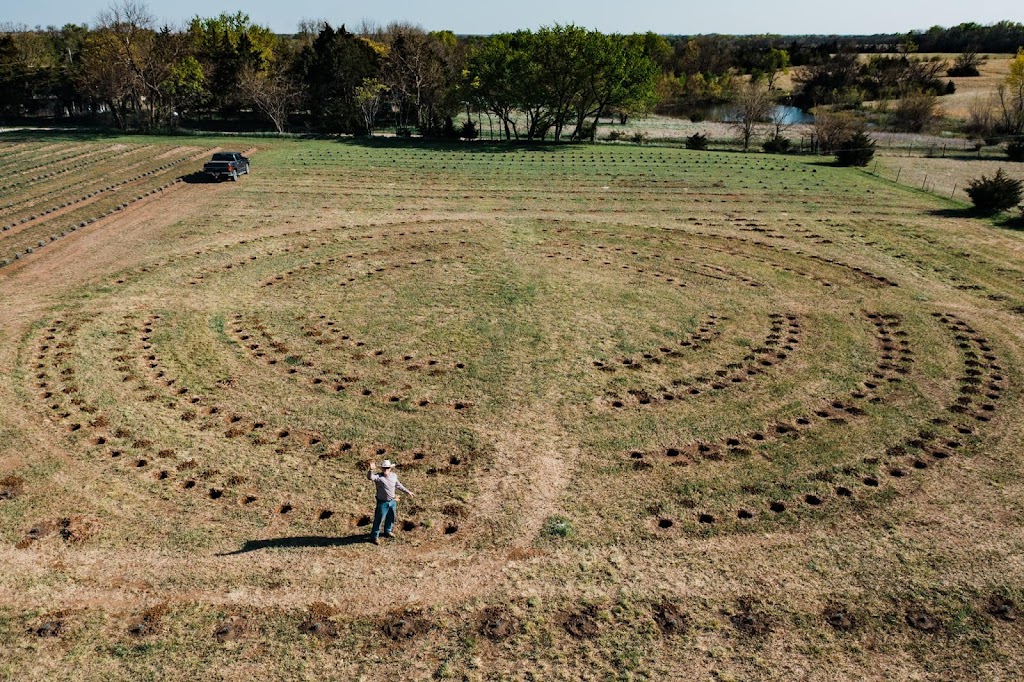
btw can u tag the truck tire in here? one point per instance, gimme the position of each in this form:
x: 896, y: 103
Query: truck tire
x: 246, y: 169
x: 234, y: 176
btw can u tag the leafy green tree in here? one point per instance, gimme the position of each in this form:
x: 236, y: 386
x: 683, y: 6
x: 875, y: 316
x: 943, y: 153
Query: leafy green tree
x: 498, y: 74
x: 332, y: 68
x: 775, y: 62
x: 229, y: 45
x: 1011, y: 97
x: 368, y: 97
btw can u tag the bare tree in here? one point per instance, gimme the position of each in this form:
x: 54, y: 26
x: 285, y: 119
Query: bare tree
x: 271, y: 92
x: 834, y: 128
x: 140, y: 54
x: 752, y: 104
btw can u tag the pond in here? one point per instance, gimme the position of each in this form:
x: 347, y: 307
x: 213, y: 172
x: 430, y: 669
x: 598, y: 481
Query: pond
x: 723, y: 113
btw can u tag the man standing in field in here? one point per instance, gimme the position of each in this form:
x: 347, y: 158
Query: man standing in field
x: 387, y: 482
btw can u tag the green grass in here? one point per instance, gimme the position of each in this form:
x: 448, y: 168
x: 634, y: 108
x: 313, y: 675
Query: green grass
x: 582, y: 359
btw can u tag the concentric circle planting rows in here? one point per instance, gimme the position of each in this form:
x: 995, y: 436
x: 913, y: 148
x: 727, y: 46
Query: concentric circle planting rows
x: 107, y: 439
x: 678, y: 359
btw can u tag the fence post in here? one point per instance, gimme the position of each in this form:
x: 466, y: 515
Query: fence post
x: 898, y: 175
x: 953, y: 192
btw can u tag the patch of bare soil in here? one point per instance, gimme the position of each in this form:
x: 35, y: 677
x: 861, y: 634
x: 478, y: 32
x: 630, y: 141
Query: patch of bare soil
x: 11, y: 487
x: 920, y: 618
x: 672, y: 618
x: 78, y: 528
x: 497, y: 623
x: 1003, y: 608
x: 49, y: 628
x: 751, y: 621
x: 232, y: 629
x: 148, y: 622
x: 582, y: 624
x: 406, y: 625
x: 319, y: 622
x: 36, y: 533
x: 839, y: 617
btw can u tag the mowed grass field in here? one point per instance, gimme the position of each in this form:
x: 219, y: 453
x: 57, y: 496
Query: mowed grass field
x: 667, y: 415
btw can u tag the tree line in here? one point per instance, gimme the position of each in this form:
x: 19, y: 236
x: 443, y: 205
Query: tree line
x: 552, y: 83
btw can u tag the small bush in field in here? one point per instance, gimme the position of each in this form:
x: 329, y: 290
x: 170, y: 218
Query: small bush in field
x: 994, y: 194
x: 1015, y: 150
x: 856, y: 151
x: 615, y: 135
x: 697, y: 141
x: 639, y: 137
x: 777, y: 144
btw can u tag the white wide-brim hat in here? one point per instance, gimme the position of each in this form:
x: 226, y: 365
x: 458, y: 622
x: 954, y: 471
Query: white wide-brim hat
x: 387, y: 464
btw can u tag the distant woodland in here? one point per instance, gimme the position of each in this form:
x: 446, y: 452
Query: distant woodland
x: 226, y: 72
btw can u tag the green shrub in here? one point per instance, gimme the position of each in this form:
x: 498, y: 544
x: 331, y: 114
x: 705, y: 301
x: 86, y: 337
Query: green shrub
x: 697, y: 141
x: 557, y: 527
x: 1015, y: 150
x: 995, y: 194
x: 950, y: 88
x: 856, y: 151
x: 468, y: 131
x: 639, y: 137
x: 616, y: 135
x: 777, y: 144
x: 403, y: 131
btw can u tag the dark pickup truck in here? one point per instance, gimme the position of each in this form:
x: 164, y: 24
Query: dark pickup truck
x: 226, y: 165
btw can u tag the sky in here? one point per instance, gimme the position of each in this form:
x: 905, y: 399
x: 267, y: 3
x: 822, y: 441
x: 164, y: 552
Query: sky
x: 661, y: 16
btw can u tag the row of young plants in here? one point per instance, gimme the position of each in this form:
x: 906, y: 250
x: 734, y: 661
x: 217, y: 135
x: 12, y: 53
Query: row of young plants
x: 86, y: 179
x: 27, y: 241
x: 23, y: 251
x: 96, y: 192
x: 76, y: 161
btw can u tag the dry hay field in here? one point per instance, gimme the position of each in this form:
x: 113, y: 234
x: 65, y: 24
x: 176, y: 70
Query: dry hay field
x: 668, y: 415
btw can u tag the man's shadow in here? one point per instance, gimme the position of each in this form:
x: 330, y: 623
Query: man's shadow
x: 299, y: 542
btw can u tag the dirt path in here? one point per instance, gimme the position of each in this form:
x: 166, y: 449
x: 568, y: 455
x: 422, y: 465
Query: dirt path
x: 532, y: 464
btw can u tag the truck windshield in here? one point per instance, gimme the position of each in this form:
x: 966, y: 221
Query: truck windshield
x: 223, y: 157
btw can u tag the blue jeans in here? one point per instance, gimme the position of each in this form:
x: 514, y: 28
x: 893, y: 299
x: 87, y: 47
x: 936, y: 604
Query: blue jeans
x: 385, y: 512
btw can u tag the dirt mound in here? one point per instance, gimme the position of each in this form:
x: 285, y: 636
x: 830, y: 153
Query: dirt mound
x: 750, y: 621
x: 406, y: 625
x: 319, y: 621
x: 148, y: 623
x: 49, y: 628
x: 1002, y: 607
x: 497, y: 623
x: 922, y: 619
x: 36, y: 533
x: 78, y: 528
x: 231, y: 629
x: 582, y: 624
x: 11, y: 487
x: 671, y: 618
x: 839, y: 617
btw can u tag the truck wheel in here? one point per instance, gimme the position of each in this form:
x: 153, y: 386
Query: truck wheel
x: 234, y: 176
x: 246, y: 169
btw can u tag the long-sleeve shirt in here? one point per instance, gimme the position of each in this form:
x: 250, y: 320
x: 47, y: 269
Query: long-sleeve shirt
x: 386, y: 484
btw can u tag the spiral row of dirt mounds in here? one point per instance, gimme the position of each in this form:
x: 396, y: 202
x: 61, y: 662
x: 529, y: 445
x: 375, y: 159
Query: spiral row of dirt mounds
x: 648, y: 401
